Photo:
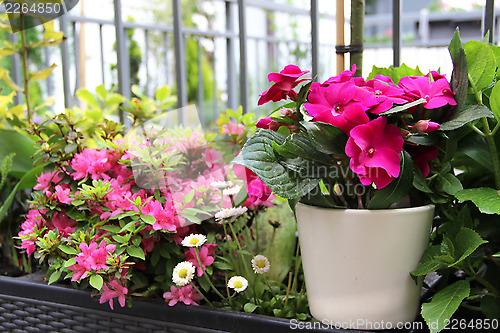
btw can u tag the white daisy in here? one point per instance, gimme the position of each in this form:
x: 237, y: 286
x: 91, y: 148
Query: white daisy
x: 232, y: 190
x: 183, y: 273
x: 194, y: 240
x: 238, y: 283
x: 233, y: 212
x: 221, y: 184
x: 260, y: 264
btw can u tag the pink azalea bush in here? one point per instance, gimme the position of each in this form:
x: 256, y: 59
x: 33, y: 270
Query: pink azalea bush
x: 347, y: 141
x: 115, y: 217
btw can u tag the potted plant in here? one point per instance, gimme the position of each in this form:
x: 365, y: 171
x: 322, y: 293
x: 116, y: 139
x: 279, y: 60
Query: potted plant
x: 366, y: 160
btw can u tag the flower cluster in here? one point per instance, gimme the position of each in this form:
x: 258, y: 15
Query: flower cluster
x: 363, y: 131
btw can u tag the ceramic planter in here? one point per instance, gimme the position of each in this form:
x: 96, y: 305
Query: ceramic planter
x: 357, y: 263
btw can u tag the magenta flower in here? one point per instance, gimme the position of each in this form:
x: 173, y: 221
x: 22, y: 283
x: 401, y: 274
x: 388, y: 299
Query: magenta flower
x: 165, y: 218
x: 422, y: 156
x: 46, y: 179
x: 335, y: 105
x: 63, y: 223
x: 342, y: 77
x: 284, y: 82
x: 380, y: 94
x: 426, y: 126
x: 437, y: 93
x: 374, y: 150
x: 186, y: 294
x: 111, y: 290
x: 206, y: 253
x: 258, y: 192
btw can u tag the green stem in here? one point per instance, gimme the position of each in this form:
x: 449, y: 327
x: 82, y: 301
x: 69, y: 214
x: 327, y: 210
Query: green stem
x: 475, y: 129
x: 205, y: 274
x: 199, y: 292
x: 471, y: 307
x: 24, y: 56
x: 235, y: 239
x: 298, y: 262
x: 357, y: 33
x: 488, y: 285
x: 477, y: 93
x: 490, y: 141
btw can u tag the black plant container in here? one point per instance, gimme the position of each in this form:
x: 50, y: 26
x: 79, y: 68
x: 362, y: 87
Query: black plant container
x: 27, y: 306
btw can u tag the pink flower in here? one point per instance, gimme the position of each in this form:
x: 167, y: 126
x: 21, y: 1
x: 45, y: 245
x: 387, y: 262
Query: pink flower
x: 270, y: 123
x: 187, y: 295
x: 232, y: 128
x: 437, y: 93
x: 380, y: 94
x: 335, y: 105
x: 374, y: 150
x: 111, y: 290
x: 206, y: 253
x: 426, y: 126
x: 258, y: 192
x: 284, y: 82
x: 165, y: 217
x: 62, y: 194
x: 63, y: 223
x: 93, y: 162
x: 46, y: 179
x: 342, y: 77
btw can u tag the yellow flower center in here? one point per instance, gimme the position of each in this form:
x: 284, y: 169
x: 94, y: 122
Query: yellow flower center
x: 238, y: 284
x: 183, y: 273
x: 261, y: 264
x: 194, y: 241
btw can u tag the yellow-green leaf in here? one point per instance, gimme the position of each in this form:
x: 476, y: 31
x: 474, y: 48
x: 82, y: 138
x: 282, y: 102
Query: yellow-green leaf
x: 43, y: 74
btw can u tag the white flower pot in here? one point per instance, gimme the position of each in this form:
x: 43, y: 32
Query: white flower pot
x: 357, y: 264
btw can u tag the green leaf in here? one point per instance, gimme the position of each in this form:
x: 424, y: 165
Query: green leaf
x: 101, y: 91
x: 429, y: 263
x: 300, y: 146
x: 136, y: 251
x: 480, y: 63
x: 404, y: 107
x: 485, y: 198
x: 87, y: 97
x: 250, y: 307
x: 419, y: 181
x: 397, y: 189
x: 495, y: 100
x: 301, y: 96
x: 27, y: 181
x: 326, y: 138
x: 466, y: 115
x: 43, y: 74
x: 68, y: 249
x: 459, y: 78
x: 96, y: 281
x: 54, y: 276
x: 490, y: 306
x: 14, y: 142
x: 222, y: 266
x: 258, y: 155
x: 465, y: 243
x: 128, y: 227
x: 149, y: 219
x: 162, y: 93
x: 114, y: 100
x: 444, y: 304
x: 448, y: 183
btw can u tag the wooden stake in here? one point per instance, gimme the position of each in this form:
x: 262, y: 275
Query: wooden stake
x: 339, y: 18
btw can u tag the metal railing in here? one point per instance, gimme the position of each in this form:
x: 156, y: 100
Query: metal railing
x: 242, y: 82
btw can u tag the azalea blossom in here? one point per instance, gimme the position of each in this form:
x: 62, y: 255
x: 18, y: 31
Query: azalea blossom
x: 238, y: 283
x: 374, y: 150
x: 205, y: 253
x: 183, y: 273
x: 260, y: 264
x: 232, y: 128
x: 284, y: 82
x: 194, y: 240
x: 187, y: 295
x: 113, y: 290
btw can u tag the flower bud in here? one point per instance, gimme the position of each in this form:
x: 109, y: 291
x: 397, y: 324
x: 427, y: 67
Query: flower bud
x: 426, y: 126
